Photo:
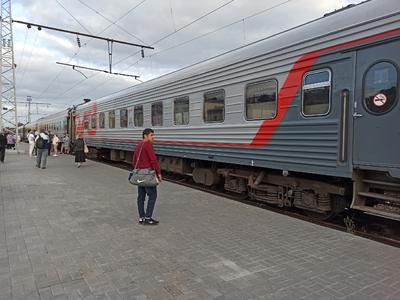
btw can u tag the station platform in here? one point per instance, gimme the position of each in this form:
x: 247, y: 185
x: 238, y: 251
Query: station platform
x: 69, y: 233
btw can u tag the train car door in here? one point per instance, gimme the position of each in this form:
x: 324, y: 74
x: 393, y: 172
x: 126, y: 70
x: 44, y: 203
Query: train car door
x: 376, y: 108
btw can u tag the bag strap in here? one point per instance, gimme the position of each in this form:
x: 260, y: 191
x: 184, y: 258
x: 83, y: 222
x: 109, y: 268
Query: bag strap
x: 140, y: 152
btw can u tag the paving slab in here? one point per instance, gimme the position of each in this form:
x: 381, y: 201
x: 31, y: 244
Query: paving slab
x: 69, y: 233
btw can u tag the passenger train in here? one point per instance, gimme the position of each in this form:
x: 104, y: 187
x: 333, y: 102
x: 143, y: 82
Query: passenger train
x: 307, y: 118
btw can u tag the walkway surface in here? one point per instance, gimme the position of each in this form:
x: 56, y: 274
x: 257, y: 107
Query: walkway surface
x: 68, y: 233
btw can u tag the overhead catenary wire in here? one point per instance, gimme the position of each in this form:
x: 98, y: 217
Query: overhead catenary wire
x: 73, y: 17
x: 23, y: 48
x: 206, y: 34
x: 172, y: 15
x: 163, y: 38
x: 79, y: 49
x: 180, y: 29
x: 159, y: 40
x: 221, y: 28
x: 30, y: 57
x: 112, y: 22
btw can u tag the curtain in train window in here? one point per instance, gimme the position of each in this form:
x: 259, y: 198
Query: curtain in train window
x: 131, y: 121
x: 102, y: 120
x: 316, y: 93
x: 93, y: 121
x: 85, y: 122
x: 181, y: 111
x: 380, y: 88
x: 123, y: 118
x: 138, y: 116
x: 111, y: 119
x: 261, y: 100
x: 157, y: 114
x: 214, y: 106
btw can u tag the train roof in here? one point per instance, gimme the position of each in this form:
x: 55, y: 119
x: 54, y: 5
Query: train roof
x: 53, y: 117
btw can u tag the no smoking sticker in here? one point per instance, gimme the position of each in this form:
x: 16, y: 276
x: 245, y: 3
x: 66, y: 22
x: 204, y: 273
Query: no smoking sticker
x: 380, y: 100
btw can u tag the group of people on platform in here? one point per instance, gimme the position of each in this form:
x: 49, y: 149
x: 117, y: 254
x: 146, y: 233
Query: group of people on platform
x: 42, y: 144
x: 9, y: 139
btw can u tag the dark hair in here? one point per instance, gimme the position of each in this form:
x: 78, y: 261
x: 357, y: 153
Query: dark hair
x: 147, y: 131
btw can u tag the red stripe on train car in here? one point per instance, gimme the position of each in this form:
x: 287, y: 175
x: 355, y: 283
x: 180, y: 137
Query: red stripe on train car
x: 285, y: 97
x: 293, y: 82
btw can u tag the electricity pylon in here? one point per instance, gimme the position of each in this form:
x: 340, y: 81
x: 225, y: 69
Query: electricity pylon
x: 9, y: 117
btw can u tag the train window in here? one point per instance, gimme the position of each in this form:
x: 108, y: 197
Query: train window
x: 93, y: 121
x: 157, y: 114
x: 261, y: 100
x: 86, y: 122
x: 214, y: 106
x: 316, y: 93
x: 138, y: 116
x: 181, y: 111
x: 123, y: 118
x: 102, y: 120
x: 380, y: 88
x: 111, y: 119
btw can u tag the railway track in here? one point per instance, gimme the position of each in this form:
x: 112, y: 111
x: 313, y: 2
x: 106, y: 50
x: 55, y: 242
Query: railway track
x: 353, y: 222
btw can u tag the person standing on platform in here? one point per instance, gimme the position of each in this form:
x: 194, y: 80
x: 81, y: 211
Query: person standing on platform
x: 61, y: 143
x: 55, y: 142
x: 34, y: 148
x: 3, y: 145
x: 50, y: 135
x: 145, y: 158
x: 43, y: 145
x: 66, y: 144
x: 31, y: 141
x: 79, y: 149
x: 11, y: 139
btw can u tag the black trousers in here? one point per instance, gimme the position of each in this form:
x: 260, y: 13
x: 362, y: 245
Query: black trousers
x: 2, y: 153
x: 152, y: 193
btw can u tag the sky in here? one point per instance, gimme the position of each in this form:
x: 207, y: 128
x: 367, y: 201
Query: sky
x: 185, y: 41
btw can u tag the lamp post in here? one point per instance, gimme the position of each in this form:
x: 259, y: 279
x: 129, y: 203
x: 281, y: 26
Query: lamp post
x: 29, y: 99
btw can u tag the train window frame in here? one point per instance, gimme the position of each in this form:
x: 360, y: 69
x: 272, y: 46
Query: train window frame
x: 188, y: 111
x: 109, y: 119
x: 93, y: 121
x: 162, y: 114
x: 120, y: 118
x: 396, y: 99
x: 134, y: 115
x: 86, y: 123
x: 204, y: 104
x: 102, y: 117
x: 276, y: 98
x: 316, y: 85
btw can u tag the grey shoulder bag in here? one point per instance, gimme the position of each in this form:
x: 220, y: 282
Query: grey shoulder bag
x: 143, y: 177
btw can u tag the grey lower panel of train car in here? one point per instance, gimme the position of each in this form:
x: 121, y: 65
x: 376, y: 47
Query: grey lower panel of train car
x: 291, y: 160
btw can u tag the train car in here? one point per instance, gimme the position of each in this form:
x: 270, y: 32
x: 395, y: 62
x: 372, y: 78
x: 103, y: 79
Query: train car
x: 23, y: 130
x: 306, y: 118
x: 56, y: 123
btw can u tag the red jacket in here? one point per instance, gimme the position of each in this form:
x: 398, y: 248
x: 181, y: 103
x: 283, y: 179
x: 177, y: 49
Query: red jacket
x: 148, y: 159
